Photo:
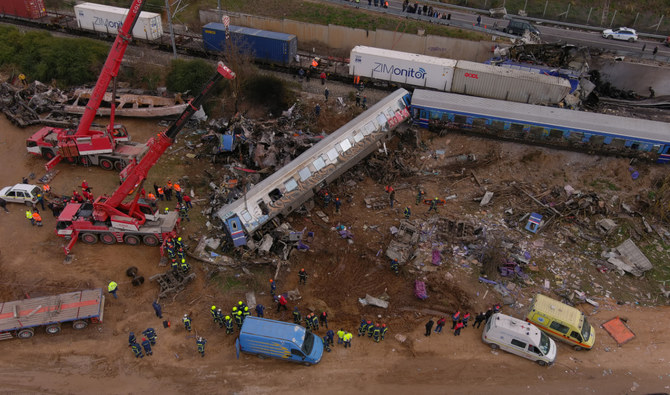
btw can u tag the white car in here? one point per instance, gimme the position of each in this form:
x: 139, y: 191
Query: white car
x: 622, y: 33
x: 21, y: 193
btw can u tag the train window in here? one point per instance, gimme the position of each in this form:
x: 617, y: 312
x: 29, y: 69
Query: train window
x: 389, y: 113
x: 345, y: 145
x: 264, y: 208
x: 656, y: 148
x: 332, y: 155
x: 497, y: 125
x: 516, y: 127
x: 245, y: 216
x: 290, y: 184
x: 536, y: 132
x: 460, y: 119
x: 381, y: 119
x: 617, y: 142
x: 358, y: 137
x: 479, y: 122
x: 556, y: 134
x: 275, y: 194
x: 319, y: 164
x: 635, y: 145
x: 305, y: 174
x: 576, y: 136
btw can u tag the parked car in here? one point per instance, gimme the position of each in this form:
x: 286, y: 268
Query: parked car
x: 518, y: 28
x: 21, y: 193
x: 519, y: 337
x: 622, y: 33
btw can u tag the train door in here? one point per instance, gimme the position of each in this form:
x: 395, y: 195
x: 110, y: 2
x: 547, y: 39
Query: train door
x: 664, y: 155
x: 234, y: 226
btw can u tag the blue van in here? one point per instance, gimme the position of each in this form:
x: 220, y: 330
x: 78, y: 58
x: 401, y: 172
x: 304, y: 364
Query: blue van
x: 278, y: 339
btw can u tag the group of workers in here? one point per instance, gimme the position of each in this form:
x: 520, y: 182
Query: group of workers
x: 148, y: 341
x: 176, y: 252
x: 375, y: 331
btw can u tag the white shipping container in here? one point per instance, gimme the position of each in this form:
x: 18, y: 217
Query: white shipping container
x: 402, y: 67
x: 477, y: 79
x: 108, y: 19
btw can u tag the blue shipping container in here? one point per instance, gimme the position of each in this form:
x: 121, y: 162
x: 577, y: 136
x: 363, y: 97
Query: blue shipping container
x: 262, y: 45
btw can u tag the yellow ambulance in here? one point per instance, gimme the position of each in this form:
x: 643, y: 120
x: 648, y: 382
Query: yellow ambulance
x: 561, y: 321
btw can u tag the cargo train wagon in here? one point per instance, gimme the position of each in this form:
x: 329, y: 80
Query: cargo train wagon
x: 261, y: 45
x: 578, y: 130
x: 457, y: 76
x: 289, y: 187
x: 107, y: 19
x: 29, y: 9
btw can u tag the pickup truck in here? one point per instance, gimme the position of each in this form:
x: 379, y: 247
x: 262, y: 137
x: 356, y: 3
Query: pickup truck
x: 278, y: 339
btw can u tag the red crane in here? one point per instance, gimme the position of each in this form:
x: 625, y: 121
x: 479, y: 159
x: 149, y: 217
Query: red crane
x: 85, y: 144
x: 109, y: 219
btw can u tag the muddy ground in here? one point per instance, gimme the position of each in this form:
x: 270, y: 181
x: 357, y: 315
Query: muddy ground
x: 98, y: 359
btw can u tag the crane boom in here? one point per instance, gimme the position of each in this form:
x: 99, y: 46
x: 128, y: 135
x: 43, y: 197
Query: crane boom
x: 135, y: 173
x: 110, y: 68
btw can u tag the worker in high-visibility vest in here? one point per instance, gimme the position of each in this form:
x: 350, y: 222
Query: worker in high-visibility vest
x: 37, y: 218
x: 29, y: 216
x: 112, y: 288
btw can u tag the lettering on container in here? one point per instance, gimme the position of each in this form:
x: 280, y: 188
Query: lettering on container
x: 471, y: 75
x: 410, y: 72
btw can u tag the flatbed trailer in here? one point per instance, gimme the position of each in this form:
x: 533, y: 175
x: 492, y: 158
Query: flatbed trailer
x: 20, y: 318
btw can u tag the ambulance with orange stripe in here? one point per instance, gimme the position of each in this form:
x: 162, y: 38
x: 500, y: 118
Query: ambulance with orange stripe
x: 561, y: 321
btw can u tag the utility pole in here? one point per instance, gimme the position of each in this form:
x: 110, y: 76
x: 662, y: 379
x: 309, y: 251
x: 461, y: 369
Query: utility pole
x: 169, y: 16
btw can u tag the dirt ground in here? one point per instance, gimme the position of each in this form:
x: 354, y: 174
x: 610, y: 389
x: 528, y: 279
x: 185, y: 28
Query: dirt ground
x: 98, y: 359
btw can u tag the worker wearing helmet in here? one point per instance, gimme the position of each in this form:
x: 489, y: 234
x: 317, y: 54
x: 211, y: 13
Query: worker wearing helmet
x: 201, y: 345
x: 213, y: 312
x: 228, y: 322
x: 245, y: 312
x: 187, y: 322
x: 384, y: 330
x: 433, y: 205
x: 239, y: 319
x: 376, y: 333
x: 303, y: 276
x: 178, y: 243
x: 273, y: 287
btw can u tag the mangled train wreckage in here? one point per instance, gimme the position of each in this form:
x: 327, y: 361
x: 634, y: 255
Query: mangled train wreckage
x: 292, y: 185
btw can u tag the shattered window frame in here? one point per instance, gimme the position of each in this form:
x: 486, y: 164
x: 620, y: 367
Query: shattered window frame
x: 319, y: 163
x: 303, y: 171
x: 369, y: 128
x: 345, y: 144
x: 290, y: 184
x: 358, y: 136
x: 333, y: 154
x: 382, y: 120
x: 246, y: 216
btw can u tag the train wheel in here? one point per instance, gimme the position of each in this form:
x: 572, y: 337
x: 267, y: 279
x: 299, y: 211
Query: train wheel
x: 106, y: 164
x: 81, y: 324
x: 48, y: 154
x: 119, y: 165
x: 150, y: 240
x: 53, y: 329
x: 131, y: 271
x: 89, y: 238
x: 137, y: 281
x: 26, y: 333
x: 131, y: 239
x: 107, y: 238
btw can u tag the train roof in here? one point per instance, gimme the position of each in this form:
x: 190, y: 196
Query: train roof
x: 247, y: 31
x: 639, y: 129
x: 411, y: 57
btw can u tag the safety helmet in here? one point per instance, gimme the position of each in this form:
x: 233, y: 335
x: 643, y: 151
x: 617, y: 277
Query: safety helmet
x: 183, y: 261
x: 234, y: 308
x: 200, y: 339
x: 369, y: 322
x: 227, y: 317
x: 302, y: 270
x: 246, y: 308
x: 219, y: 310
x: 144, y: 339
x: 383, y: 325
x: 213, y: 307
x: 179, y: 238
x: 185, y: 315
x: 271, y: 280
x: 240, y: 303
x: 436, y: 199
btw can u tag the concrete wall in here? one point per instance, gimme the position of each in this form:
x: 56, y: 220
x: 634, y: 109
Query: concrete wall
x: 342, y: 39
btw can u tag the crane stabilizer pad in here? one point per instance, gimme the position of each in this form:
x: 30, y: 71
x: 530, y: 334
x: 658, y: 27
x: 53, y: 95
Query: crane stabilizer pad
x: 618, y: 330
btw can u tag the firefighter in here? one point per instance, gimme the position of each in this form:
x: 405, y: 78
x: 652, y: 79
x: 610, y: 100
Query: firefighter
x: 433, y: 205
x: 183, y: 212
x: 308, y: 322
x: 146, y: 344
x: 315, y: 322
x: 245, y: 313
x: 179, y: 244
x: 419, y: 196
x: 371, y: 328
x: 326, y: 346
x: 376, y: 333
x: 260, y: 309
x: 150, y: 333
x: 234, y: 311
x: 384, y: 330
x: 180, y: 252
x: 131, y: 338
x: 187, y: 322
x: 395, y: 267
x: 228, y: 322
x: 201, y: 345
x: 296, y: 316
x: 303, y: 276
x: 185, y: 267
x: 239, y: 319
x: 174, y: 265
x: 213, y: 312
x: 326, y: 200
x: 219, y: 318
x: 323, y: 319
x: 170, y: 243
x: 137, y: 350
x: 338, y: 203
x: 407, y: 212
x: 363, y: 328
x: 273, y: 288
x: 330, y: 337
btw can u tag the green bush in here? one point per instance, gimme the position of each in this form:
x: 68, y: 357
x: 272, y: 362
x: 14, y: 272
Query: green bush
x: 189, y: 75
x: 269, y: 91
x: 40, y: 56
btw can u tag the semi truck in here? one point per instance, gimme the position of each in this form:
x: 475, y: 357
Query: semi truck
x: 281, y: 340
x: 22, y: 317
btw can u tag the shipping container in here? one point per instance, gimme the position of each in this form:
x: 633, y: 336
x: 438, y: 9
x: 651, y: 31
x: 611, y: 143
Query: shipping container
x: 107, y: 19
x: 402, y: 67
x: 477, y: 79
x: 261, y: 45
x: 31, y: 9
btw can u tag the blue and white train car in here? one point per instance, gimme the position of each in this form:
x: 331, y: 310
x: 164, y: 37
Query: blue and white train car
x: 579, y: 130
x: 289, y: 187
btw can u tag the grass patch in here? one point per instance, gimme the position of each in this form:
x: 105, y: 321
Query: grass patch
x: 600, y: 184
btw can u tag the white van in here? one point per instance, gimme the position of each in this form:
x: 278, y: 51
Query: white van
x: 519, y: 337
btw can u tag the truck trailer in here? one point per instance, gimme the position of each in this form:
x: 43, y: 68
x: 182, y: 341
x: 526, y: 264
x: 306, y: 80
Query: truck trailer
x: 108, y: 19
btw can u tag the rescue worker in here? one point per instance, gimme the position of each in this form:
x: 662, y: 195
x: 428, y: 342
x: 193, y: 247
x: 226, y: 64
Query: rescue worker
x: 212, y: 311
x: 168, y: 190
x: 308, y: 322
x: 185, y: 267
x: 219, y: 318
x: 496, y: 308
x: 245, y: 313
x: 296, y: 316
x: 131, y: 338
x: 187, y: 201
x: 419, y: 196
x: 152, y: 199
x: 303, y: 276
x: 179, y: 244
x: 179, y: 251
x: 183, y: 213
x: 407, y: 212
x: 112, y: 287
x: 466, y: 317
x: 394, y: 267
x: 330, y: 335
x: 170, y: 243
x: 326, y: 200
x: 340, y: 336
x: 150, y: 333
x: 338, y: 203
x: 37, y: 217
x: 481, y: 317
x: 40, y: 200
x: 161, y: 194
x: 315, y: 322
x: 455, y: 318
x: 391, y: 197
x: 234, y: 311
x: 187, y: 322
x: 238, y: 319
x: 347, y: 340
x: 228, y: 322
x: 371, y: 328
x: 326, y: 346
x: 260, y: 309
x: 174, y: 265
x: 146, y: 344
x: 137, y: 350
x: 177, y: 192
x: 273, y: 287
x: 201, y: 345
x: 323, y: 319
x: 47, y: 189
x: 363, y: 328
x: 459, y: 326
x: 433, y: 205
x: 376, y: 333
x: 384, y: 330
x: 29, y: 216
x: 85, y: 186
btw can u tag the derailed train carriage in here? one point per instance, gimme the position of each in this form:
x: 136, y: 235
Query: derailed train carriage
x: 289, y: 187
